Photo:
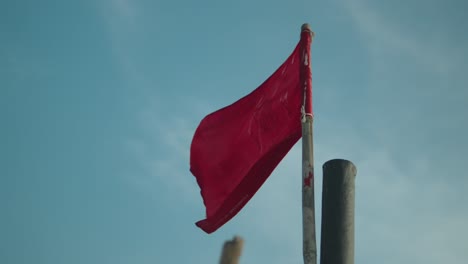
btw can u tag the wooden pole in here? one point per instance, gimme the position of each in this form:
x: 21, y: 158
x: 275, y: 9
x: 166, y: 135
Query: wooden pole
x: 232, y: 251
x: 337, y: 242
x: 309, y: 247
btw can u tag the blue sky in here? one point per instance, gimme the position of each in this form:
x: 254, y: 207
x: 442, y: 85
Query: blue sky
x: 99, y: 101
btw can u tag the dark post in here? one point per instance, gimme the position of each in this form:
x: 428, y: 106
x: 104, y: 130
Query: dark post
x: 337, y: 242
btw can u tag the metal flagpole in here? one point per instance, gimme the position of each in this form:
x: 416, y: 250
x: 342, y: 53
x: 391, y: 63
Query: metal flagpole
x: 308, y: 201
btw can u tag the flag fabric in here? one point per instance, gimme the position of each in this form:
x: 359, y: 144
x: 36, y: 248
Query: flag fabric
x: 235, y: 149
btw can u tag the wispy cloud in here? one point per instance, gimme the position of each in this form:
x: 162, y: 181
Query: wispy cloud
x: 414, y: 80
x: 121, y: 18
x: 162, y: 149
x: 401, y: 218
x: 161, y: 141
x: 404, y: 198
x: 124, y: 8
x: 386, y: 38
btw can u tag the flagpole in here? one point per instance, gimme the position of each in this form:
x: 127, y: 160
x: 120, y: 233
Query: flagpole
x: 308, y: 201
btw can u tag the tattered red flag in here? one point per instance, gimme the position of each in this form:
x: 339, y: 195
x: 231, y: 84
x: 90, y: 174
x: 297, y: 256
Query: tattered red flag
x: 236, y: 148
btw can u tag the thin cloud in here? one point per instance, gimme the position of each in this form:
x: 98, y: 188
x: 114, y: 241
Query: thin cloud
x: 124, y: 8
x: 121, y: 18
x: 170, y: 135
x: 387, y: 37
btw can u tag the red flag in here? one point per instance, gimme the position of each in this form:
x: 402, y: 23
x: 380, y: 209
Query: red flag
x: 236, y: 148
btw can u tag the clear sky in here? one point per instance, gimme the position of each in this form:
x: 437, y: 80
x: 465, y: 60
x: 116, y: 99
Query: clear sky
x: 99, y: 101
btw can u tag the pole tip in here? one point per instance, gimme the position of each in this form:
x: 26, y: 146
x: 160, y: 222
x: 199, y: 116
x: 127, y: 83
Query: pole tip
x: 306, y: 27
